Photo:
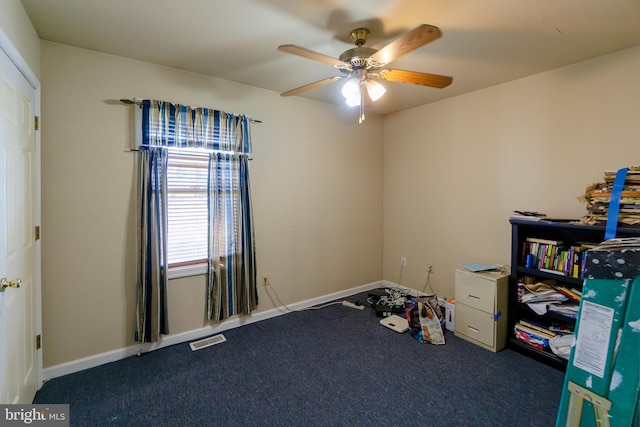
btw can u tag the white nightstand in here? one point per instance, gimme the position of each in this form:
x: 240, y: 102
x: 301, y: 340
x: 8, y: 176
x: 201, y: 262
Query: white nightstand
x: 481, y: 308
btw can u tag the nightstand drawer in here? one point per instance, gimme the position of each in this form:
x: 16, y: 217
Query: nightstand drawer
x: 475, y: 324
x: 475, y: 291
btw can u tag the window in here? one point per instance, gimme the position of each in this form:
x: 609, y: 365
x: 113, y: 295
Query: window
x: 187, y: 208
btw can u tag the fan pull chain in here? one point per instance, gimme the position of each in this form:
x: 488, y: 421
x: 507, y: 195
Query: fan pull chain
x: 361, y: 118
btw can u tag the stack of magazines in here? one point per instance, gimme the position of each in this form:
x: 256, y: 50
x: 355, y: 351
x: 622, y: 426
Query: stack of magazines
x: 598, y: 195
x: 532, y: 334
x: 544, y: 291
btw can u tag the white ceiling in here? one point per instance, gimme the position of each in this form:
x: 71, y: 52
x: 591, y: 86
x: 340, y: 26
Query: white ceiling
x: 484, y: 42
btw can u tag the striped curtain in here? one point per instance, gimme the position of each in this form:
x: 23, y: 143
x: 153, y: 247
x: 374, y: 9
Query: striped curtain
x: 181, y: 126
x: 231, y: 285
x: 231, y: 277
x: 151, y: 312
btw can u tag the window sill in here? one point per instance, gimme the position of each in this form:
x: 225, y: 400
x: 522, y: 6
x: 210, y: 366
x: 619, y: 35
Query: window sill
x: 191, y: 270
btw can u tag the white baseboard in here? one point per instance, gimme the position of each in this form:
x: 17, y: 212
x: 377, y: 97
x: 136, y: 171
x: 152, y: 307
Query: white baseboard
x: 122, y: 353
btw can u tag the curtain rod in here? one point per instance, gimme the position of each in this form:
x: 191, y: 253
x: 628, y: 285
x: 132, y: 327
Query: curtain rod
x: 191, y: 153
x: 132, y: 102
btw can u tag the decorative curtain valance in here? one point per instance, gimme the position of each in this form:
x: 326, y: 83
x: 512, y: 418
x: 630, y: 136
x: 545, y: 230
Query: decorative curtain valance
x: 176, y: 125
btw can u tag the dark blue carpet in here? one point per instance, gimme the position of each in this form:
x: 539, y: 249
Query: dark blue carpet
x: 330, y: 367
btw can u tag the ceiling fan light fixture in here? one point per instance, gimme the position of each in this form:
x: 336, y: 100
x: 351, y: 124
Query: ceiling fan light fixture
x: 375, y: 90
x: 351, y: 92
x: 353, y: 101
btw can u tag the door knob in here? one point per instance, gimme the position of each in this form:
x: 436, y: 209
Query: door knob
x: 4, y: 283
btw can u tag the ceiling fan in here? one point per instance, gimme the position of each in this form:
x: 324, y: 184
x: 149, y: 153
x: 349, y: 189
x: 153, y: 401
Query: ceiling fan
x: 363, y: 66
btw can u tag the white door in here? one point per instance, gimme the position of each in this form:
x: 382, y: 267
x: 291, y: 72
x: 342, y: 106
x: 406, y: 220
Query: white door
x: 18, y: 204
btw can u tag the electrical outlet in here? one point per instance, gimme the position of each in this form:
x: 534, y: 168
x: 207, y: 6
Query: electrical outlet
x: 265, y: 280
x: 403, y: 260
x: 431, y: 269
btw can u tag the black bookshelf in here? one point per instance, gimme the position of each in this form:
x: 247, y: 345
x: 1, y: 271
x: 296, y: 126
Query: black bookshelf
x: 569, y: 234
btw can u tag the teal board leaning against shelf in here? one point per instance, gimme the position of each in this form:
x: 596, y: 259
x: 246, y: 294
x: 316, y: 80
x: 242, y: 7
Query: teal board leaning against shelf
x: 602, y: 383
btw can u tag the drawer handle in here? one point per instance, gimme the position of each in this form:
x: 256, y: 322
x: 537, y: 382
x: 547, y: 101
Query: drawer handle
x: 474, y: 297
x: 471, y: 328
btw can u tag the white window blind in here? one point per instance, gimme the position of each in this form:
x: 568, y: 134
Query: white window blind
x: 187, y: 208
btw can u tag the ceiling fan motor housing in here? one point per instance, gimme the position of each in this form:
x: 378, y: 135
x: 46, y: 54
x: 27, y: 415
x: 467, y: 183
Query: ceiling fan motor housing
x: 358, y: 57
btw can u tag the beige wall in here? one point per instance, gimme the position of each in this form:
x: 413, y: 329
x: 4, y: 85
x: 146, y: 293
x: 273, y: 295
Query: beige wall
x: 454, y: 170
x: 16, y: 25
x: 316, y: 185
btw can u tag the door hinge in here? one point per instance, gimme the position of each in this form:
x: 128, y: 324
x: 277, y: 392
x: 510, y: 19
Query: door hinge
x: 37, y: 232
x: 38, y: 342
x: 36, y: 122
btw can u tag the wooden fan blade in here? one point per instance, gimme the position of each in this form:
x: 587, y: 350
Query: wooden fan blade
x: 309, y: 54
x: 413, y: 77
x: 310, y: 86
x: 406, y: 43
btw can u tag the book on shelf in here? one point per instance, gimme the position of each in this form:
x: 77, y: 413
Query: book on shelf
x: 566, y: 310
x: 544, y: 241
x: 536, y: 328
x: 587, y: 245
x: 534, y: 345
x: 619, y: 243
x: 572, y: 294
x: 554, y: 296
x: 527, y: 215
x: 531, y: 337
x: 562, y: 327
x: 552, y: 271
x: 554, y: 258
x: 563, y: 220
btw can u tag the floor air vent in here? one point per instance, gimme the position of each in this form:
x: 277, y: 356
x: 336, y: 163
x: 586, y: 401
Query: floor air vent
x: 207, y: 342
